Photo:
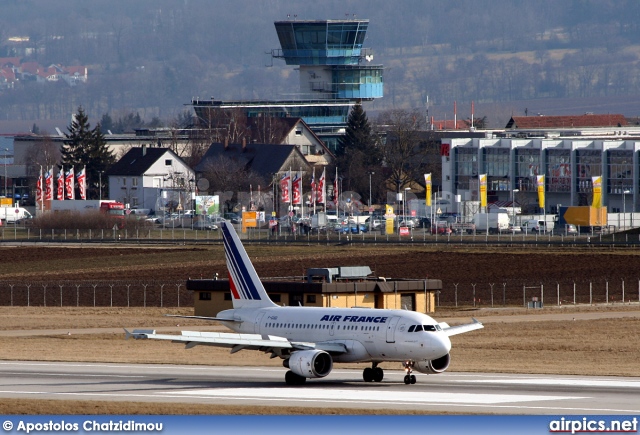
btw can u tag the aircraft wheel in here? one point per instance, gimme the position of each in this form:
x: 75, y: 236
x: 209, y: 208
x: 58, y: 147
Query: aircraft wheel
x: 367, y: 374
x: 413, y: 379
x: 378, y: 374
x: 292, y: 379
x: 407, y: 379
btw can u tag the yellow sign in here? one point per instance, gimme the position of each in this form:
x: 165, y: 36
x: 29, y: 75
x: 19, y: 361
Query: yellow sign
x: 483, y: 190
x: 540, y: 182
x: 597, y: 192
x: 388, y: 227
x: 427, y: 186
x: 249, y: 220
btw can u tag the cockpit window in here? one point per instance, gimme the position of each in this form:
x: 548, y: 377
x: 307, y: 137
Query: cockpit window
x: 429, y: 328
x: 418, y: 328
x: 411, y: 328
x: 438, y: 327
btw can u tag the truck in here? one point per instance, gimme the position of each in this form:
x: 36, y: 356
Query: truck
x: 493, y: 222
x: 14, y: 214
x: 586, y: 218
x: 104, y: 205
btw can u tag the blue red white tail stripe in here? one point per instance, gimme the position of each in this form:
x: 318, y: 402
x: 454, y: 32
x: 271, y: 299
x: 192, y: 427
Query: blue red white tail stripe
x: 246, y: 288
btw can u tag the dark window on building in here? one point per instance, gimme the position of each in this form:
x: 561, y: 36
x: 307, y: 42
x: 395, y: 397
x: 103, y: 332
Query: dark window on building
x: 311, y: 299
x: 205, y: 296
x: 227, y: 296
x: 168, y: 162
x: 276, y: 298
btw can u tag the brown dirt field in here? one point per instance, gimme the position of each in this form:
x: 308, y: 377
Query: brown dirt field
x: 511, y: 267
x: 514, y: 340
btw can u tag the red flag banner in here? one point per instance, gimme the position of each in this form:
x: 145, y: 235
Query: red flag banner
x: 284, y: 187
x: 60, y: 190
x: 297, y: 188
x: 39, y: 188
x: 320, y: 189
x: 48, y: 183
x: 69, y: 185
x: 81, y: 178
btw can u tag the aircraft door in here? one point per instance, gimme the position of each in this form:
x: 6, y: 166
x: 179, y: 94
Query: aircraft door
x: 391, y: 329
x: 256, y: 326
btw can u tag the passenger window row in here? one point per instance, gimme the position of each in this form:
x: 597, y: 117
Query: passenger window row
x: 323, y: 326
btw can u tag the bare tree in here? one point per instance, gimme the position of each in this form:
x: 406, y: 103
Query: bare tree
x: 230, y: 175
x: 44, y: 153
x: 403, y: 149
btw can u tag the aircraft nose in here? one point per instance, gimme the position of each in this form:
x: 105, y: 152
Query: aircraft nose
x: 442, y: 344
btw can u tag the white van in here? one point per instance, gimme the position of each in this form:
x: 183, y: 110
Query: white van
x: 14, y: 214
x: 494, y: 222
x: 534, y: 226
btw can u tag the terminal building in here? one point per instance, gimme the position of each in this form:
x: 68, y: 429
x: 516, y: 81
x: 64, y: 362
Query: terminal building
x: 568, y: 151
x: 335, y: 72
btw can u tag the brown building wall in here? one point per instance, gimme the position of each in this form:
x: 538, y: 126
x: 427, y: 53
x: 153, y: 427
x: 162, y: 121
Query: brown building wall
x: 213, y: 296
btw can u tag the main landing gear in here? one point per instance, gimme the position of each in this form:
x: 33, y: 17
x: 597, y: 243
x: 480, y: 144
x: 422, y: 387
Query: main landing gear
x: 373, y: 373
x: 409, y: 378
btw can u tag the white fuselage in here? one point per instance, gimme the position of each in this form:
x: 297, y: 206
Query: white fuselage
x: 369, y: 334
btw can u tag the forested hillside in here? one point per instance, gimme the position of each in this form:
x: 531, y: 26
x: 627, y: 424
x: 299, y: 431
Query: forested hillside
x: 153, y: 56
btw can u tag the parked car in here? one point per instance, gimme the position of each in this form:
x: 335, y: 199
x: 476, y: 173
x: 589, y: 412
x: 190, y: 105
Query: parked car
x: 233, y: 218
x: 204, y: 224
x: 441, y: 227
x: 535, y: 226
x: 566, y: 229
x: 376, y: 224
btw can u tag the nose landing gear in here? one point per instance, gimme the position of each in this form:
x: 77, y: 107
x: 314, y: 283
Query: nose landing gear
x: 409, y: 378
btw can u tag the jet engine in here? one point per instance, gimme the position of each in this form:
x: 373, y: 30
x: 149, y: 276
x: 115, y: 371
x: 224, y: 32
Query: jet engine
x: 310, y: 363
x: 433, y: 366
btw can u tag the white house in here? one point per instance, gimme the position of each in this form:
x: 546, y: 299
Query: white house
x: 152, y: 178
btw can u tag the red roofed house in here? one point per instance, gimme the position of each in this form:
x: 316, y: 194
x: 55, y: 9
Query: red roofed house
x: 570, y: 121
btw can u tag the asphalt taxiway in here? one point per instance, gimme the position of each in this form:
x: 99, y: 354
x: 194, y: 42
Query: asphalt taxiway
x: 472, y: 393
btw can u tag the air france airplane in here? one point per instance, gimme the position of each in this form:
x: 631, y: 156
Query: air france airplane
x: 311, y: 339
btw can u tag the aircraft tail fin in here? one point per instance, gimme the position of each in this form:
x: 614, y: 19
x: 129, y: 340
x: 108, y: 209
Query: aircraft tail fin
x: 247, y: 290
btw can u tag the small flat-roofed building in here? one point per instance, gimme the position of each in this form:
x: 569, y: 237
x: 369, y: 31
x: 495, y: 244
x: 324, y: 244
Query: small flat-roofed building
x: 212, y: 296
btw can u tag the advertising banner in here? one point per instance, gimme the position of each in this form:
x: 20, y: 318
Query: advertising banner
x: 540, y: 184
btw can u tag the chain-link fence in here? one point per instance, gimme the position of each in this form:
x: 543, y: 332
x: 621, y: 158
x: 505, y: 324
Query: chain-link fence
x: 105, y: 293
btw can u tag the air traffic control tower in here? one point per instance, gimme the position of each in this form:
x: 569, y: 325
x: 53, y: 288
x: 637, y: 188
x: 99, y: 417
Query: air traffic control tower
x: 335, y: 73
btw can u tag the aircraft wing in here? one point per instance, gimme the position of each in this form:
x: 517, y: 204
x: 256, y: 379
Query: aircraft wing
x: 235, y: 341
x: 461, y: 329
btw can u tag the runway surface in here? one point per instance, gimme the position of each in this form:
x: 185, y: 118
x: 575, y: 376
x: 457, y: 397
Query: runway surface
x: 264, y: 386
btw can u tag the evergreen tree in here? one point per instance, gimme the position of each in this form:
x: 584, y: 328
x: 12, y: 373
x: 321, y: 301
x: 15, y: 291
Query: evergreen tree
x: 87, y: 147
x: 358, y: 153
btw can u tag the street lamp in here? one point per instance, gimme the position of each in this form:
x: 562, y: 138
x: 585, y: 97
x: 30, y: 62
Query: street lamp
x: 624, y: 208
x: 6, y: 151
x: 513, y: 205
x: 370, y: 174
x: 404, y: 206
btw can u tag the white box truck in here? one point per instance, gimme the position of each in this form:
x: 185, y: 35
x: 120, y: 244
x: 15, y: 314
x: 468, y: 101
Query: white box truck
x: 14, y: 214
x: 494, y: 223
